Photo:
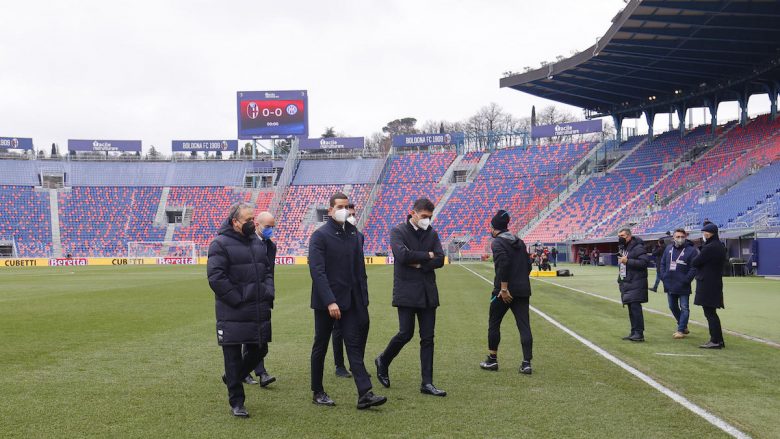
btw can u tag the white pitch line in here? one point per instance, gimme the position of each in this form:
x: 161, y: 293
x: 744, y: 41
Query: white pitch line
x: 703, y: 413
x: 655, y: 311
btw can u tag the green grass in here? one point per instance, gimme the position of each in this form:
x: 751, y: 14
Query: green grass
x: 131, y: 352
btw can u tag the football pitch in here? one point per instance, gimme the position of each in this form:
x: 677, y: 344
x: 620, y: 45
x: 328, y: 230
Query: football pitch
x: 131, y: 352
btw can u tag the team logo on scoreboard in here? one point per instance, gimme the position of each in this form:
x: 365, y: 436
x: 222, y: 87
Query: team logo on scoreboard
x: 14, y: 143
x: 224, y: 145
x: 292, y: 109
x: 252, y: 111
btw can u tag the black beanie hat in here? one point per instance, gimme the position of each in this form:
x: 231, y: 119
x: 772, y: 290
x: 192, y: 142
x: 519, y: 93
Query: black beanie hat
x: 501, y: 220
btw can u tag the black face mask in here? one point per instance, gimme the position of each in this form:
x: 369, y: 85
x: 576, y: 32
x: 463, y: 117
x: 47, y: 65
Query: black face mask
x: 622, y: 241
x: 248, y: 228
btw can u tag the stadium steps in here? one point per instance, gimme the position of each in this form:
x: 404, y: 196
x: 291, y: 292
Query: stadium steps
x: 447, y: 177
x: 444, y: 198
x: 577, y: 181
x: 375, y: 190
x: 477, y: 169
x: 284, y: 180
x: 159, y: 218
x: 54, y: 208
x: 169, y: 232
x: 627, y: 154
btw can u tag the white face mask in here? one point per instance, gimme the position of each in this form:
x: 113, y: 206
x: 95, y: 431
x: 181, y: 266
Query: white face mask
x: 679, y: 242
x: 703, y: 238
x: 424, y: 223
x: 340, y: 215
x: 352, y: 220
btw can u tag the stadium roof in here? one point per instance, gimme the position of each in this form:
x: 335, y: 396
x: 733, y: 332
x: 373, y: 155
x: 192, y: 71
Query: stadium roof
x: 660, y: 53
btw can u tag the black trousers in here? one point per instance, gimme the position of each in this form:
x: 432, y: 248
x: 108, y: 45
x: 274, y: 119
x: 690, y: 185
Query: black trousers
x: 354, y: 325
x: 713, y: 321
x: 426, y: 317
x: 238, y: 366
x: 519, y: 307
x: 636, y: 318
x: 338, y: 345
x: 260, y: 368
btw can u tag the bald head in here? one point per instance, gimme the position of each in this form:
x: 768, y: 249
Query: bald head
x: 265, y: 219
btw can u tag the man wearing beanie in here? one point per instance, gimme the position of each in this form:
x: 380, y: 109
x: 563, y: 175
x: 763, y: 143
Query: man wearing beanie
x: 418, y: 253
x: 709, y: 282
x: 511, y: 290
x: 632, y: 281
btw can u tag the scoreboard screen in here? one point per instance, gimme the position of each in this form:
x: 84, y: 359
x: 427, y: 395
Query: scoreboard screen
x: 272, y: 114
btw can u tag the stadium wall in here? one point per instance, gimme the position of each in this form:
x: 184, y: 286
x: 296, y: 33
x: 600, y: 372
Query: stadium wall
x: 122, y: 261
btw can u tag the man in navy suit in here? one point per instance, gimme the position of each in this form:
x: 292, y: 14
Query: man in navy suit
x: 339, y: 292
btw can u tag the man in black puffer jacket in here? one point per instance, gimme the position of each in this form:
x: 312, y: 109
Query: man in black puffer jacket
x: 241, y: 276
x: 511, y: 290
x: 632, y: 280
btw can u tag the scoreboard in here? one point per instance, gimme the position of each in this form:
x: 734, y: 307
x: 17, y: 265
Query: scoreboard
x: 272, y: 114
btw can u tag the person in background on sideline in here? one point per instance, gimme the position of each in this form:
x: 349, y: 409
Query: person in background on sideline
x: 709, y: 282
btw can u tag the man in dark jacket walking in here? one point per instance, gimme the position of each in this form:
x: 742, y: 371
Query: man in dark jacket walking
x: 338, y: 340
x: 241, y: 276
x: 677, y: 274
x: 511, y: 290
x: 264, y: 227
x: 709, y: 282
x: 417, y: 253
x: 339, y: 292
x: 658, y: 253
x: 632, y: 280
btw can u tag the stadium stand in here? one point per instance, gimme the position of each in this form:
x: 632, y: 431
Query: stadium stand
x: 520, y: 180
x: 731, y: 178
x: 98, y: 221
x: 407, y: 178
x: 303, y: 212
x: 25, y: 218
x: 207, y: 206
x: 318, y: 172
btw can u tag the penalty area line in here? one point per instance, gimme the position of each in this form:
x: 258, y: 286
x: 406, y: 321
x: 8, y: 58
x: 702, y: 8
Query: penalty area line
x: 698, y: 410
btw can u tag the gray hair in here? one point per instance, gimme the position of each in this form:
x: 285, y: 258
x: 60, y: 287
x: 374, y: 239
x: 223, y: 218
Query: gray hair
x: 627, y: 230
x: 236, y: 209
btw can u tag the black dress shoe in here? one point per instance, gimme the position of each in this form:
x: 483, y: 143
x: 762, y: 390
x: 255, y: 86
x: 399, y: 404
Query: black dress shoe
x: 637, y: 337
x: 713, y: 345
x: 239, y: 411
x: 322, y: 398
x: 381, y: 372
x: 628, y: 337
x: 342, y: 372
x: 430, y: 389
x: 266, y: 379
x: 370, y: 400
x: 250, y: 380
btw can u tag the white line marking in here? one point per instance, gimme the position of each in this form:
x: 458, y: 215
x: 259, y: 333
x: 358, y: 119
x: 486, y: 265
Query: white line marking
x: 668, y: 354
x: 709, y: 417
x: 655, y: 311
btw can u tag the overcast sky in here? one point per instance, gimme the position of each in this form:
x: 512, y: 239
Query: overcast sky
x: 162, y: 70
